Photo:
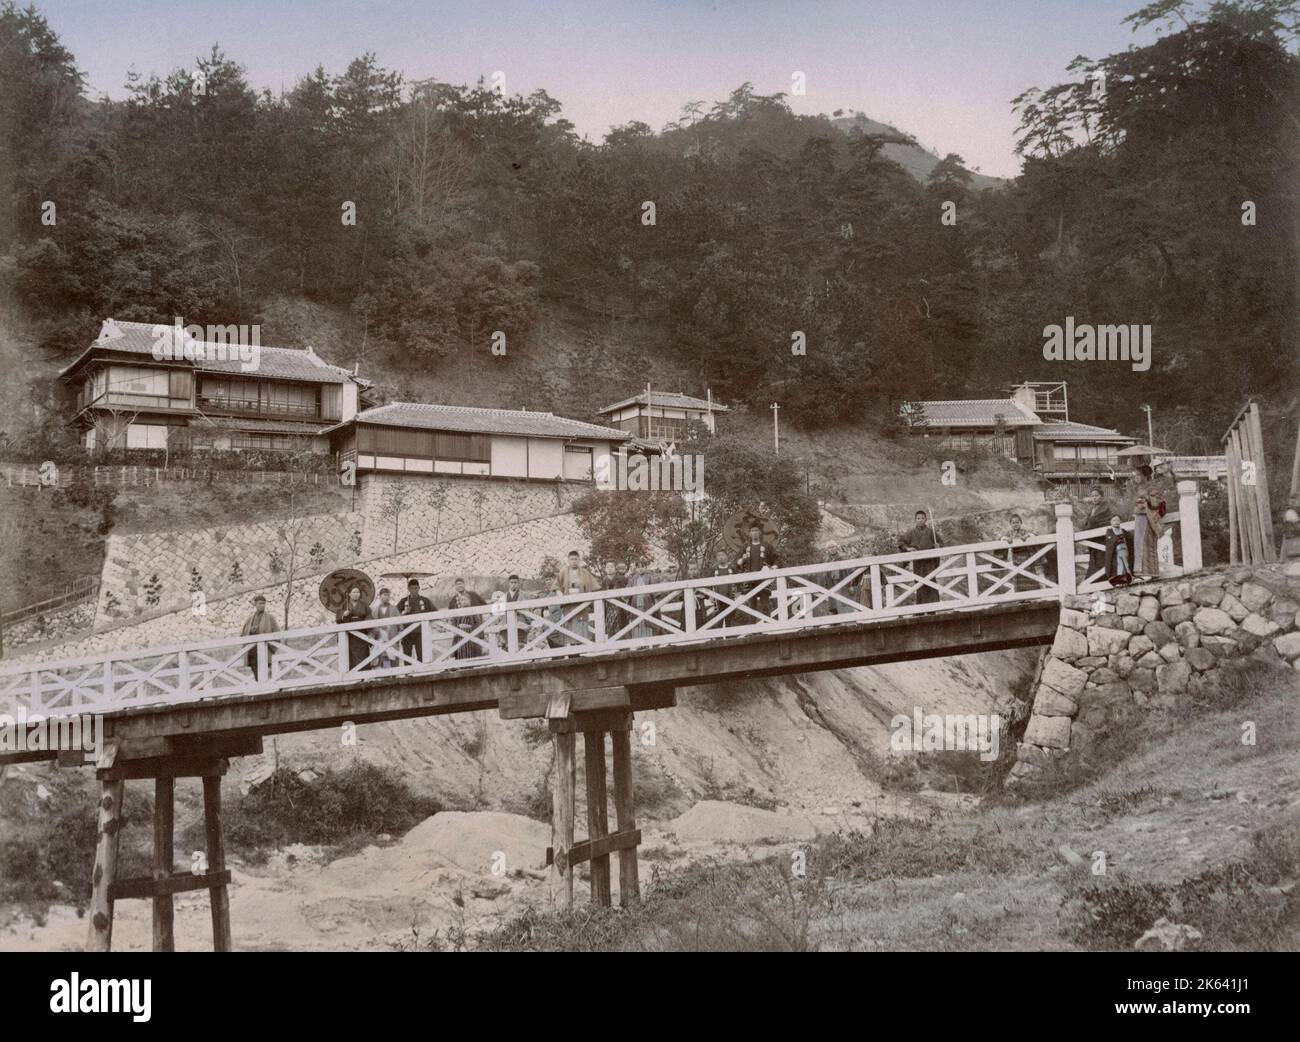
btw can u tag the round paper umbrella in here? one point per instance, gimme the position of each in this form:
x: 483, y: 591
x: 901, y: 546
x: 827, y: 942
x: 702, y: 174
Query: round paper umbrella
x: 335, y: 586
x: 735, y: 532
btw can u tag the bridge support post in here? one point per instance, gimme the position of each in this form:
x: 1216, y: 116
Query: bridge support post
x: 593, y: 743
x: 162, y: 760
x: 1189, y: 525
x: 164, y: 791
x: 600, y: 843
x: 629, y: 885
x: 99, y: 937
x: 1065, y: 563
x: 563, y: 786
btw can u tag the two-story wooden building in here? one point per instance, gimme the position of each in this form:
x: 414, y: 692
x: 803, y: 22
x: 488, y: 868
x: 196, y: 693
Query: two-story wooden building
x: 416, y: 438
x: 1057, y: 448
x: 196, y: 395
x: 662, y: 416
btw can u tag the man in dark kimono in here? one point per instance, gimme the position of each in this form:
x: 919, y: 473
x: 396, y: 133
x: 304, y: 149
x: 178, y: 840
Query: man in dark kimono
x: 259, y: 622
x: 921, y: 536
x: 756, y: 556
x: 1099, y: 515
x: 414, y: 604
x: 464, y: 598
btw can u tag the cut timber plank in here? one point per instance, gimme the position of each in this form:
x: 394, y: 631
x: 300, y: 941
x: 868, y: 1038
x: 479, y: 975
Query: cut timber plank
x: 165, y: 767
x: 586, y: 849
x: 593, y: 720
x: 176, y: 883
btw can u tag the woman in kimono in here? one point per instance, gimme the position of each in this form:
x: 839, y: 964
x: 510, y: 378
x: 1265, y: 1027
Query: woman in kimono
x: 1147, y: 529
x: 355, y: 611
x: 1119, y: 554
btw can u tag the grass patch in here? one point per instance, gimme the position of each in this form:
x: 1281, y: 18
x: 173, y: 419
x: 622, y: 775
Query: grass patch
x: 1241, y: 906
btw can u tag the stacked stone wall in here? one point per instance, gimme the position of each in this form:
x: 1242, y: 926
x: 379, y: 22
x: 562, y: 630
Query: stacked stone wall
x: 1152, y: 646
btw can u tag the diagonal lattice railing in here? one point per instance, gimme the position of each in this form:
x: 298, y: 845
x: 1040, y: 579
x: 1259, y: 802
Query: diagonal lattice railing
x: 682, y: 612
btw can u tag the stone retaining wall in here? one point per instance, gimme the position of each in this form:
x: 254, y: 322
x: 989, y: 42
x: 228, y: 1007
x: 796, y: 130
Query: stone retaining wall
x: 1150, y: 646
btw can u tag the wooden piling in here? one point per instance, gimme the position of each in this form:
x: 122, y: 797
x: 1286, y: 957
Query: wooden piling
x: 164, y: 939
x: 218, y: 896
x: 99, y: 937
x: 629, y: 886
x: 593, y: 743
x: 563, y: 786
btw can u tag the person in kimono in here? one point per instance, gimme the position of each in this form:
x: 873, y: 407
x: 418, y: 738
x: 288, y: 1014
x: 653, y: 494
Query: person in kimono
x: 756, y: 557
x: 414, y: 604
x: 1147, y: 529
x: 574, y: 578
x: 259, y: 622
x: 355, y: 611
x: 514, y: 593
x: 385, y: 609
x: 712, y: 608
x: 1098, y: 516
x: 921, y: 536
x: 466, y: 624
x: 1118, y: 561
x: 642, y: 602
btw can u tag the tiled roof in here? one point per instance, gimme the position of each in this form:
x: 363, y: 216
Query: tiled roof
x: 1078, y: 432
x: 277, y: 363
x: 470, y: 420
x: 977, y: 412
x: 667, y: 400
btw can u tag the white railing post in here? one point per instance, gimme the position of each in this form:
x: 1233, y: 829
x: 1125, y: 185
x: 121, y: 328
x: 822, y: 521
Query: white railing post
x: 512, y: 636
x: 1189, y: 525
x: 688, y: 610
x: 877, y: 595
x: 183, y: 671
x: 782, y: 605
x: 263, y: 661
x: 1065, y: 565
x: 972, y: 578
x: 343, y: 653
x: 425, y: 651
x: 598, y: 620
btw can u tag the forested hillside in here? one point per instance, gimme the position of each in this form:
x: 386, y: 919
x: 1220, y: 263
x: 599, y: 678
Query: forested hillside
x: 197, y: 195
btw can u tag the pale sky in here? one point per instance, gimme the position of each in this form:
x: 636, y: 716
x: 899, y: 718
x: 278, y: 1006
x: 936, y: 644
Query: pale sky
x: 944, y: 70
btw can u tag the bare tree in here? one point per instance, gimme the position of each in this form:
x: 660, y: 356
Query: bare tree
x: 397, y: 496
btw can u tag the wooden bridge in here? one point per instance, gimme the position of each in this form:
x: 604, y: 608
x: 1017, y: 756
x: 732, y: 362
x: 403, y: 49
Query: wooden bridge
x: 583, y: 662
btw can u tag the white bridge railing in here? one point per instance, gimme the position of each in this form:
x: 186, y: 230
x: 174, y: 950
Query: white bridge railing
x: 684, y: 612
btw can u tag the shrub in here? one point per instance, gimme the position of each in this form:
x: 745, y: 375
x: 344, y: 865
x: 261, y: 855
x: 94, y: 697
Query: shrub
x: 340, y: 808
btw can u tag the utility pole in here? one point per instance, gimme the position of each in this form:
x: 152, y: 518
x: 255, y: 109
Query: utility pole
x: 1151, y: 438
x: 776, y: 428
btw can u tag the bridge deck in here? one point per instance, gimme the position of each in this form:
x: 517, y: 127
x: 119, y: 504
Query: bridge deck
x: 617, y: 647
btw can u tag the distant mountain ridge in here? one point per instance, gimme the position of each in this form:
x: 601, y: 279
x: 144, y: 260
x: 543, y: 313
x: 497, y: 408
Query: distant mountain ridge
x: 916, y: 160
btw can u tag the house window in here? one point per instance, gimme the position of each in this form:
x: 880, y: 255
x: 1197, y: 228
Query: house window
x: 577, y: 463
x: 476, y: 448
x: 146, y: 436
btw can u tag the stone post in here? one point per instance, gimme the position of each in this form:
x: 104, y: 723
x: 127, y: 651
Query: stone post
x: 1065, y: 567
x: 1189, y: 525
